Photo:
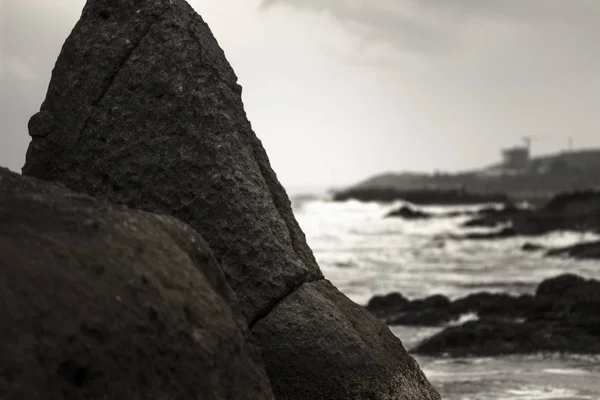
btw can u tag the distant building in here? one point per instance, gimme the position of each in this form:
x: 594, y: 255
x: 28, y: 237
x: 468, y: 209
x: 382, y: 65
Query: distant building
x: 515, y: 158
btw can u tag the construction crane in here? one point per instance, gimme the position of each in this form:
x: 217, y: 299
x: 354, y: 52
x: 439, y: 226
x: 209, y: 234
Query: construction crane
x: 528, y: 139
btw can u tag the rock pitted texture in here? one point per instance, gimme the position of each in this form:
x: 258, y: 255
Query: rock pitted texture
x: 143, y: 109
x: 146, y: 112
x: 101, y: 302
x: 317, y: 332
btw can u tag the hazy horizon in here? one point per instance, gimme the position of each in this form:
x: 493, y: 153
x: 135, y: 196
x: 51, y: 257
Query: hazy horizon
x: 339, y: 90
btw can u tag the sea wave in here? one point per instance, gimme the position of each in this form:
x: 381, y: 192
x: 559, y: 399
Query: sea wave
x: 364, y: 253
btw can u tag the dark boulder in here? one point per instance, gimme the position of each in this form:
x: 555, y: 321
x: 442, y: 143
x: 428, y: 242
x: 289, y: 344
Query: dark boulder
x: 424, y: 317
x: 503, y: 233
x: 437, y: 310
x: 563, y: 316
x: 381, y: 304
x: 559, y: 286
x: 148, y: 113
x: 528, y: 246
x: 579, y: 211
x: 104, y: 302
x: 409, y: 213
x: 492, y: 337
x: 582, y: 251
x: 318, y: 332
x: 496, y: 304
x: 490, y: 217
x: 574, y: 202
x: 433, y: 301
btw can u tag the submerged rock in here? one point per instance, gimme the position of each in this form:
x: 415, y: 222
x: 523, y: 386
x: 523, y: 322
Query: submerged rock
x: 147, y: 112
x: 408, y: 213
x: 104, y: 302
x: 583, y: 251
x: 438, y: 310
x: 578, y: 211
x: 506, y: 232
x: 528, y: 246
x: 491, y: 217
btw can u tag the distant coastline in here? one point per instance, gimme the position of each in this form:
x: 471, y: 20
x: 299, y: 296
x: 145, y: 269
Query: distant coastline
x: 535, y: 180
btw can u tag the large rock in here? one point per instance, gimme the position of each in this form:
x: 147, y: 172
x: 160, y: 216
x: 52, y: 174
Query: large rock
x: 143, y: 109
x: 331, y: 336
x: 102, y: 302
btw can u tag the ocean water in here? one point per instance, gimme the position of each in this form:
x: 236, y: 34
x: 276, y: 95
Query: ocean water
x: 365, y: 254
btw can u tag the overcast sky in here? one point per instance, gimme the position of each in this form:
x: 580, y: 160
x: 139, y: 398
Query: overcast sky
x: 341, y: 89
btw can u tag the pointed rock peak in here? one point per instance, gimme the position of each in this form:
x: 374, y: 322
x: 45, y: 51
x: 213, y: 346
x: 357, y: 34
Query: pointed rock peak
x: 146, y: 111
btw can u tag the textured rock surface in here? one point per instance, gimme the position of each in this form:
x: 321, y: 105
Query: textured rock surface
x: 147, y: 113
x: 316, y: 332
x: 98, y: 302
x: 161, y: 126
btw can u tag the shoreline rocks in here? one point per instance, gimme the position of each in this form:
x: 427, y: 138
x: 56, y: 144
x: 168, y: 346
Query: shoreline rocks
x: 576, y: 211
x: 563, y: 316
x: 409, y: 213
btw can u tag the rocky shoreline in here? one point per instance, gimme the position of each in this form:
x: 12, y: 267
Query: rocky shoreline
x: 563, y: 315
x: 575, y: 211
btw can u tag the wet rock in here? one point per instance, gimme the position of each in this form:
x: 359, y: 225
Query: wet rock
x: 492, y: 337
x: 528, y: 246
x: 583, y: 251
x: 563, y: 316
x: 499, y: 234
x: 395, y: 309
x: 104, y: 301
x: 41, y: 125
x: 579, y: 211
x: 559, y: 286
x: 333, y: 337
x: 493, y: 304
x: 409, y: 213
x: 379, y: 305
x: 491, y: 217
x: 424, y: 317
x: 434, y: 301
x: 151, y: 116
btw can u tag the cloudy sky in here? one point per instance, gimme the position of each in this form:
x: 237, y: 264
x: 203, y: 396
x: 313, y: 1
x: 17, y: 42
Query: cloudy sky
x: 341, y: 89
